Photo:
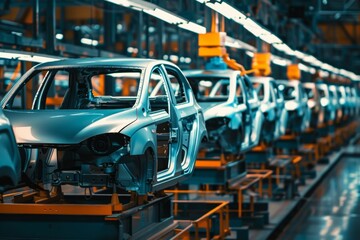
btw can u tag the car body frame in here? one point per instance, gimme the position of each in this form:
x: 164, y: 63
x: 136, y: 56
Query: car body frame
x: 327, y: 103
x: 272, y: 107
x: 231, y: 109
x: 131, y: 140
x: 335, y: 99
x: 296, y: 103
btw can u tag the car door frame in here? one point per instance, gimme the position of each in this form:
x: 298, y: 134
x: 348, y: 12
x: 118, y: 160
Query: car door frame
x: 159, y: 117
x: 185, y: 113
x: 254, y: 107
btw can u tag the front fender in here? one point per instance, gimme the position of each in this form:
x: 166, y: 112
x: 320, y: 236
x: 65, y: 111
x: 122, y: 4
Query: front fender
x: 10, y: 164
x: 143, y: 139
x: 235, y: 121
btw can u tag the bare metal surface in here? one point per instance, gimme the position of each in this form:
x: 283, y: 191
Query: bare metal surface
x: 103, y: 140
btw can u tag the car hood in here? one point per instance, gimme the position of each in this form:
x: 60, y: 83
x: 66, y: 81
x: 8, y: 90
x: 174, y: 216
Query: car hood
x: 66, y: 126
x: 207, y: 105
x: 215, y: 109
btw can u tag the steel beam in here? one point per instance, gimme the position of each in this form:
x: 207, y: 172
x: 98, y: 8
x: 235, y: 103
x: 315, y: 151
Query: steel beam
x: 109, y: 26
x: 50, y: 26
x: 139, y: 34
x: 160, y: 42
x: 35, y: 22
x: 147, y: 35
x: 347, y: 34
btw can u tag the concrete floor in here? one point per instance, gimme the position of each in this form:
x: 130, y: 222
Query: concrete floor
x: 333, y: 210
x: 339, y: 185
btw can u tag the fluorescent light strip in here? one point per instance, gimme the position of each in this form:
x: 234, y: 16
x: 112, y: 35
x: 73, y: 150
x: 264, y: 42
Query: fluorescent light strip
x: 236, y: 43
x: 231, y: 13
x: 270, y: 39
x: 227, y: 11
x: 280, y: 61
x: 284, y: 48
x: 59, y: 36
x: 27, y: 56
x: 160, y: 13
x: 253, y: 27
x: 165, y: 16
x: 89, y: 41
x: 193, y: 27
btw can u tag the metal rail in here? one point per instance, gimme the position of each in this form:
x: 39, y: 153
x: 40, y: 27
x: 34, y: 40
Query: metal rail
x: 205, y: 221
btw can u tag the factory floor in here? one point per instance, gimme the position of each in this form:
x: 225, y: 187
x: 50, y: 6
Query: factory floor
x: 326, y: 206
x: 332, y: 211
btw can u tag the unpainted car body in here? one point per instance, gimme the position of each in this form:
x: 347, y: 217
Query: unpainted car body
x: 344, y: 101
x: 296, y: 104
x: 335, y: 99
x: 272, y: 107
x: 130, y: 139
x: 231, y: 109
x: 327, y: 102
x: 355, y: 100
x: 282, y: 124
x: 351, y: 100
x: 317, y: 110
x: 10, y: 161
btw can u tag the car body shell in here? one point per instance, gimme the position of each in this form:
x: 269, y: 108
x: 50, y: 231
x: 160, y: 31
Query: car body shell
x: 317, y: 110
x: 335, y: 99
x: 351, y: 100
x: 327, y: 103
x: 234, y: 122
x: 296, y: 103
x: 272, y: 107
x: 135, y: 165
x: 345, y: 102
x: 356, y: 101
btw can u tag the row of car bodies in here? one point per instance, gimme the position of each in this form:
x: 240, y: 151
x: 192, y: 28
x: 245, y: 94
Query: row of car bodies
x: 231, y: 109
x: 284, y: 105
x: 331, y: 104
x: 145, y: 137
x: 272, y: 107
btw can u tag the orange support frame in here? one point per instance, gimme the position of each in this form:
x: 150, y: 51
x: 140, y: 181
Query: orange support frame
x: 205, y: 221
x: 56, y: 209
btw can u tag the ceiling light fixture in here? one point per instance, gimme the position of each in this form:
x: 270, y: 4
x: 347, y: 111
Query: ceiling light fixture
x: 27, y: 56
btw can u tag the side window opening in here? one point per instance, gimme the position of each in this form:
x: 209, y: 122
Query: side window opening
x: 250, y: 93
x: 239, y: 91
x: 272, y: 96
x: 158, y: 101
x: 56, y: 90
x: 158, y: 96
x: 25, y: 95
x: 276, y: 91
x: 77, y: 88
x: 177, y: 86
x: 259, y: 88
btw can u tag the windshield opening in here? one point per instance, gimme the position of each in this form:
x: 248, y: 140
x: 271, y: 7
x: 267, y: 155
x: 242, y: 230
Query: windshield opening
x: 78, y: 88
x: 288, y: 92
x: 259, y: 88
x: 309, y: 93
x: 210, y: 89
